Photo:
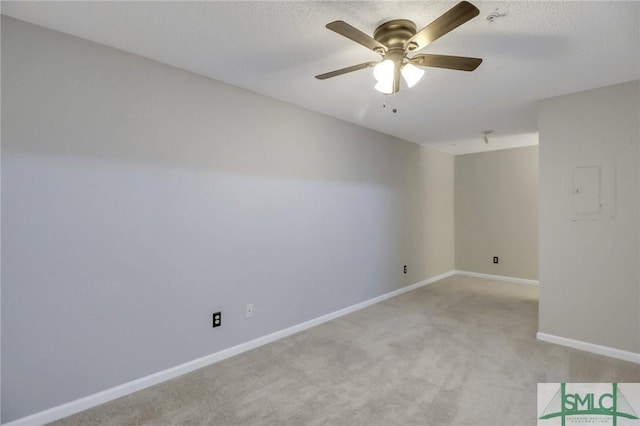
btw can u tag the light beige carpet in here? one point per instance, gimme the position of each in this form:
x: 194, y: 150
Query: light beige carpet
x: 461, y: 351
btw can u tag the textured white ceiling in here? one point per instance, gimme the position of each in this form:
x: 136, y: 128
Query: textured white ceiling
x: 539, y: 50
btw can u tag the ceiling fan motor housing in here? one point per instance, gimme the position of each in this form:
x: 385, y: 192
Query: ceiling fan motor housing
x: 394, y: 34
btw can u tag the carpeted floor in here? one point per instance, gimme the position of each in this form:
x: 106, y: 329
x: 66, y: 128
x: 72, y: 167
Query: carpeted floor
x: 461, y: 351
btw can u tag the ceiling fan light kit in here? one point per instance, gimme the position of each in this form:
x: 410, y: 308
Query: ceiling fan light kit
x: 383, y: 73
x: 395, y: 39
x: 411, y: 74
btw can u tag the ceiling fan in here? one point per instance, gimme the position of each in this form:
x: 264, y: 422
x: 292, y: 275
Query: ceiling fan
x: 395, y: 39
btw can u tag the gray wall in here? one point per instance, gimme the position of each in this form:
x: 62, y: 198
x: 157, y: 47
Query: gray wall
x: 138, y: 198
x: 437, y: 210
x: 589, y: 278
x: 496, y: 212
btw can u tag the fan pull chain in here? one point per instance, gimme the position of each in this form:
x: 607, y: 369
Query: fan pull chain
x: 384, y: 105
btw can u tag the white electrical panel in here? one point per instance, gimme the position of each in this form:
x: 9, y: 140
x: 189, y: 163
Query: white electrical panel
x: 586, y: 187
x: 589, y: 190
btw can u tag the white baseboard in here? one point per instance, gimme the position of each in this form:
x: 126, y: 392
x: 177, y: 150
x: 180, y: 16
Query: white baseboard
x: 590, y: 347
x: 99, y: 398
x: 498, y: 277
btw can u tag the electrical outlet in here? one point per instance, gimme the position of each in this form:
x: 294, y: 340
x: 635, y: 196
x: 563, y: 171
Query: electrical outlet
x: 217, y: 319
x: 495, y: 259
x: 405, y: 269
x: 248, y: 310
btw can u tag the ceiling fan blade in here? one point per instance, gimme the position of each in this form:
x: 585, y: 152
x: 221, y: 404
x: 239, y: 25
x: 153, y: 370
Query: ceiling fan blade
x: 356, y: 35
x: 345, y: 70
x: 453, y: 18
x: 461, y: 63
